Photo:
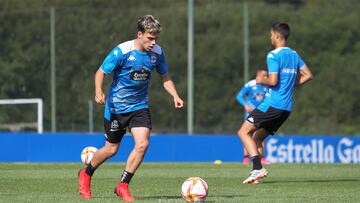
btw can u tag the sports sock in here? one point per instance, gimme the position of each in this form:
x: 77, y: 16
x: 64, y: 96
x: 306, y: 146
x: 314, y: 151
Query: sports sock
x: 126, y: 177
x: 90, y: 169
x: 256, y: 162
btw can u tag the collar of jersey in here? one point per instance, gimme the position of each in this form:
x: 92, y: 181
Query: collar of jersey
x: 141, y: 52
x: 137, y: 51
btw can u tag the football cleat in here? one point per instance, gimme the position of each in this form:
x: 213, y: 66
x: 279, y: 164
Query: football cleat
x: 84, y: 184
x: 256, y: 175
x: 122, y: 190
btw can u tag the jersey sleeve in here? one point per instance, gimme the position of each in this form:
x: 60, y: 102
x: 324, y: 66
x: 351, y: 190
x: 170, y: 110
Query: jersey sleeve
x: 301, y: 62
x: 242, y: 94
x: 162, y: 67
x: 113, y: 59
x: 272, y: 63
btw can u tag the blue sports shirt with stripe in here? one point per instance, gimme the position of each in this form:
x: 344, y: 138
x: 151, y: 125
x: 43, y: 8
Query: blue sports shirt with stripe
x: 131, y: 71
x: 251, y: 94
x: 286, y: 63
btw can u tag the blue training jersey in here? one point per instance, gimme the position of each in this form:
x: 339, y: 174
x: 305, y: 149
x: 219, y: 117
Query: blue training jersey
x: 131, y: 71
x: 251, y: 94
x: 286, y: 63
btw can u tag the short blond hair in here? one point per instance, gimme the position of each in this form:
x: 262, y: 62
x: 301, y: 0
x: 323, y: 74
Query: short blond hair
x: 149, y: 24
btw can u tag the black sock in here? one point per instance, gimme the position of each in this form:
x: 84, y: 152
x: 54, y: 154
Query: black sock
x: 90, y: 169
x: 126, y: 177
x: 256, y: 162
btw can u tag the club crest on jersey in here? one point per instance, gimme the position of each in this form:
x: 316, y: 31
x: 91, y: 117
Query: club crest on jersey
x: 259, y: 97
x: 140, y: 75
x: 153, y: 58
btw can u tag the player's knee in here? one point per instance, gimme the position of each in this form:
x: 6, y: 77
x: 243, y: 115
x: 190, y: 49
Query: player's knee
x: 242, y: 131
x: 142, y: 147
x: 111, y: 151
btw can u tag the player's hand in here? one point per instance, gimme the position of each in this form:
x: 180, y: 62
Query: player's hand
x: 100, y: 97
x: 179, y: 103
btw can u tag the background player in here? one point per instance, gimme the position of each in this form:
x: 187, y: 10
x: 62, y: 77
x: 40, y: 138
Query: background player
x: 285, y: 70
x: 250, y: 96
x: 126, y: 105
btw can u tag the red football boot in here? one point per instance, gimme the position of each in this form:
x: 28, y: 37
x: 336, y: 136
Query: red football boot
x: 122, y: 190
x: 84, y: 184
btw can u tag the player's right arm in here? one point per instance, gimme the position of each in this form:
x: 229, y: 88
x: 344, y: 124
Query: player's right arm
x: 99, y: 94
x: 241, y: 97
x: 305, y: 75
x: 111, y: 62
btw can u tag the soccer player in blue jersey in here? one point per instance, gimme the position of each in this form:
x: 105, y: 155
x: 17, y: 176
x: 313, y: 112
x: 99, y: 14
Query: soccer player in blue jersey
x: 126, y: 104
x: 250, y: 96
x: 285, y: 70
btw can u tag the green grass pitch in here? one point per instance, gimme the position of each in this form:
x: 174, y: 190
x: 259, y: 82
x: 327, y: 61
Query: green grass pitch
x: 161, y: 182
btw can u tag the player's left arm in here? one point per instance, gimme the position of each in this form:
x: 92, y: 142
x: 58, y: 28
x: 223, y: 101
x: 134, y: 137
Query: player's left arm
x: 169, y: 85
x: 305, y: 75
x: 241, y: 96
x: 271, y: 79
x: 171, y: 89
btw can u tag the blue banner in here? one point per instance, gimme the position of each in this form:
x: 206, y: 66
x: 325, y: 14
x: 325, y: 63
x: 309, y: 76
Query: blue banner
x: 67, y: 147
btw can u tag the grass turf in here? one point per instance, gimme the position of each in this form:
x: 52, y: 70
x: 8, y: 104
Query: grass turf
x: 161, y: 182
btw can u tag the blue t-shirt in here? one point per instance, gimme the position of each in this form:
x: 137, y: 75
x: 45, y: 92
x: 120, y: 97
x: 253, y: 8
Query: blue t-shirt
x: 286, y: 63
x: 251, y: 94
x: 131, y: 71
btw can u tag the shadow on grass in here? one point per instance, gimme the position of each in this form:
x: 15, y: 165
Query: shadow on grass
x: 165, y: 197
x: 173, y: 197
x: 312, y: 181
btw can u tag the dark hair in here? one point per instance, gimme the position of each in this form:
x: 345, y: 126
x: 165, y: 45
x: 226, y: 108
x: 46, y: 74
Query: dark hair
x: 262, y: 68
x: 282, y: 28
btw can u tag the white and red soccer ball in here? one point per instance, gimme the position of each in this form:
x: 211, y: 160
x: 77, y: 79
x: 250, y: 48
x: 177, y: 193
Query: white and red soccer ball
x: 87, y: 154
x: 194, y: 189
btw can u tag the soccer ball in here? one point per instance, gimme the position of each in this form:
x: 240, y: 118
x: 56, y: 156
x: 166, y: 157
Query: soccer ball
x: 87, y: 154
x: 194, y: 189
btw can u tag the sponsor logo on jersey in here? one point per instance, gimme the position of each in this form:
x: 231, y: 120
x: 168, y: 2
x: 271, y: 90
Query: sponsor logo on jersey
x: 140, y: 75
x: 289, y: 71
